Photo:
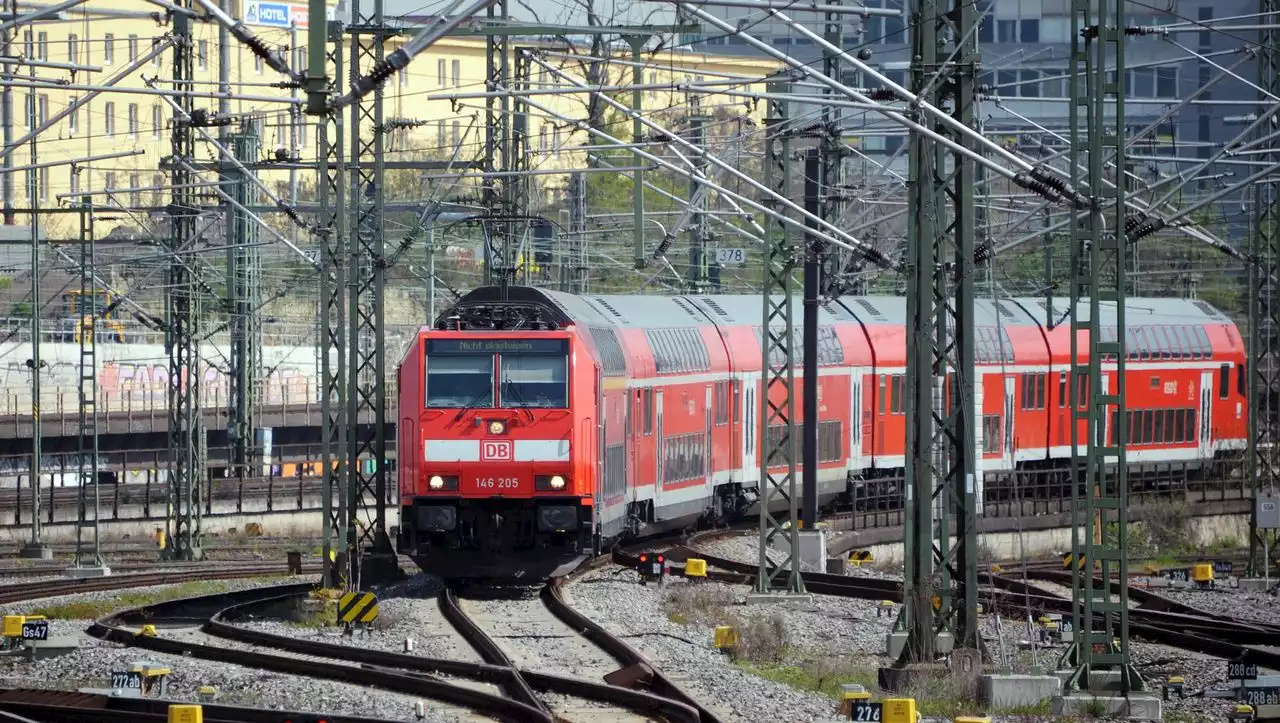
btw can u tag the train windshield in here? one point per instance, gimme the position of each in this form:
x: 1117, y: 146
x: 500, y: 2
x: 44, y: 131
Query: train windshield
x: 460, y: 380
x: 534, y: 381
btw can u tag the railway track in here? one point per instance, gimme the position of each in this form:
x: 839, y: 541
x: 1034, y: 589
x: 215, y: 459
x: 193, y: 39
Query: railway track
x: 25, y: 705
x: 410, y: 674
x: 55, y: 588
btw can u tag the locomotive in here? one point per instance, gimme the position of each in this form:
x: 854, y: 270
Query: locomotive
x: 539, y: 427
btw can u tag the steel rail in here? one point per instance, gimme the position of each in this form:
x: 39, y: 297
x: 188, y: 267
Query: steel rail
x: 53, y: 588
x: 619, y: 649
x: 515, y: 686
x: 109, y: 629
x: 640, y: 701
x: 58, y: 706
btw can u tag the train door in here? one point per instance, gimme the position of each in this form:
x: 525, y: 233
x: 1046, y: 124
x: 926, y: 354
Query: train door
x: 706, y: 444
x: 660, y: 455
x: 750, y: 468
x: 1206, y: 415
x: 855, y: 421
x: 1009, y: 408
x: 629, y: 444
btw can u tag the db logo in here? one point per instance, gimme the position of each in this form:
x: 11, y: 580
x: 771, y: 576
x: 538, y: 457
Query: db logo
x: 495, y: 451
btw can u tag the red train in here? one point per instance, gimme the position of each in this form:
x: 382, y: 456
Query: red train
x: 538, y: 428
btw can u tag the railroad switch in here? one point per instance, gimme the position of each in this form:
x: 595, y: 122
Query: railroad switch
x: 147, y: 631
x: 155, y: 677
x: 726, y: 638
x: 851, y: 693
x: 972, y: 719
x: 1242, y: 713
x: 885, y: 606
x: 858, y: 558
x: 900, y: 710
x: 1173, y: 685
x: 695, y: 568
x: 207, y: 694
x: 1202, y: 575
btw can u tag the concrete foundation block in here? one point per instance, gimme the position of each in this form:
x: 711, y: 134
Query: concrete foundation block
x: 1099, y: 680
x: 836, y: 566
x: 35, y: 552
x: 894, y: 643
x: 1253, y: 584
x: 1019, y: 691
x: 813, y: 549
x: 783, y: 598
x: 1136, y: 707
x: 83, y: 571
x: 51, y: 648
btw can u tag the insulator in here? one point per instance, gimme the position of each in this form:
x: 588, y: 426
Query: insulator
x: 882, y: 94
x: 1038, y: 186
x: 1090, y: 32
x: 1133, y: 221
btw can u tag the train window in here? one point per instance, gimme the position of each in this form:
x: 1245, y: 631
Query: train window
x: 1242, y: 383
x: 1181, y: 342
x: 1191, y: 423
x: 1114, y: 428
x: 460, y: 380
x: 1166, y: 342
x: 648, y: 411
x: 722, y: 403
x: 1224, y: 380
x: 534, y: 381
x: 1082, y: 391
x: 1129, y: 429
x: 1169, y: 423
x: 1158, y: 436
x: 895, y: 394
x: 737, y: 400
x: 1042, y: 381
x: 1155, y: 382
x: 1062, y: 389
x: 883, y: 392
x: 991, y: 433
x: 1202, y: 342
x: 1179, y: 425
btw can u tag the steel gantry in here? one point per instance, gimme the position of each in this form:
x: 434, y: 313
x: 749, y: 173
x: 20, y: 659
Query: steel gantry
x: 1098, y: 265
x: 941, y: 440
x: 366, y: 334
x: 187, y: 442
x: 777, y: 401
x: 330, y: 235
x: 88, y: 552
x: 1264, y: 302
x: 244, y: 282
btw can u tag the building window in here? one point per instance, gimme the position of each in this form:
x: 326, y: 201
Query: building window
x: 133, y: 47
x: 44, y: 184
x: 73, y: 120
x: 28, y: 44
x: 1166, y: 82
x: 155, y: 59
x: 44, y: 109
x: 110, y: 128
x: 74, y: 181
x: 43, y: 46
x: 457, y: 73
x: 440, y: 72
x: 440, y: 133
x: 111, y: 181
x: 133, y: 120
x: 1030, y: 87
x: 457, y: 132
x: 108, y: 49
x: 257, y: 64
x: 202, y: 55
x: 157, y: 121
x: 135, y: 195
x: 73, y: 48
x: 157, y: 183
x: 1029, y: 31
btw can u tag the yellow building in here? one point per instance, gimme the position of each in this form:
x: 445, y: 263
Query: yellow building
x: 132, y: 117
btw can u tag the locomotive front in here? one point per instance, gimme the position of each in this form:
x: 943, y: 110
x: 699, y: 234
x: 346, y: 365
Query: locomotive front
x: 501, y: 487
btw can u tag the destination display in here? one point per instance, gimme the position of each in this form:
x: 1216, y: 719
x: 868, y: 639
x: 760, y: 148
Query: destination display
x: 442, y: 347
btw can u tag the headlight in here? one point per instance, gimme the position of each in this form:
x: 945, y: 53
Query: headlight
x: 437, y: 483
x: 543, y: 483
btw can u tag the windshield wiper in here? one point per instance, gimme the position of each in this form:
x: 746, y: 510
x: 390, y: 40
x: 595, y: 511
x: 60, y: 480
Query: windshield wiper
x: 471, y: 404
x: 509, y: 386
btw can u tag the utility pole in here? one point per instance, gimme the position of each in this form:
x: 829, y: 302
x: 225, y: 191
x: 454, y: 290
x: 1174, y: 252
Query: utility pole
x: 499, y: 262
x: 35, y: 547
x: 1099, y: 250
x: 372, y: 558
x: 577, y: 264
x: 245, y: 283
x: 777, y: 402
x: 1264, y: 301
x: 88, y: 558
x: 940, y: 411
x: 6, y: 111
x: 187, y: 441
x: 813, y: 251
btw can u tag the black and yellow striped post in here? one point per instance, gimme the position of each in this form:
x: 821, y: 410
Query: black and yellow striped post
x: 357, y: 607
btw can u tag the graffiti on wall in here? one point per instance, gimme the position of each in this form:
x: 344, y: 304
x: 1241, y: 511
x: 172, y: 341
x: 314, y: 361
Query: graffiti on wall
x: 284, y: 385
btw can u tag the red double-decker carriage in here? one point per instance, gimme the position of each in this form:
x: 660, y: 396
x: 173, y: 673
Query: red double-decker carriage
x: 538, y: 427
